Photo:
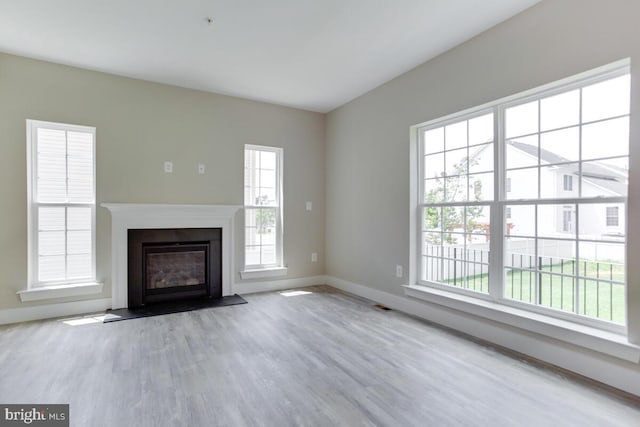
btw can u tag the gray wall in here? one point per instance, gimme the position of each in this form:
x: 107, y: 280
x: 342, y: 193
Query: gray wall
x: 139, y: 126
x: 367, y: 148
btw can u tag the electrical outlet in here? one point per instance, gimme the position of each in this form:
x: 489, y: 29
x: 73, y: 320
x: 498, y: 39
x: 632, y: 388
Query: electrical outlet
x: 201, y: 168
x: 309, y: 206
x: 398, y: 270
x: 314, y: 257
x: 168, y: 167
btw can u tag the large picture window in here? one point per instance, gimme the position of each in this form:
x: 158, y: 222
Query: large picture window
x: 263, y: 207
x: 524, y: 201
x: 61, y: 203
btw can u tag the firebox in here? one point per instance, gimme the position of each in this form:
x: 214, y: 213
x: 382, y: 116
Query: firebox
x: 174, y: 264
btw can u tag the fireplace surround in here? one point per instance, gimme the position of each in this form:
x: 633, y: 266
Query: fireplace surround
x: 127, y: 216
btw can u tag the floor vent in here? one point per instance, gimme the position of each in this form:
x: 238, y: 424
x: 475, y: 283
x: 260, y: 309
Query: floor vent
x: 382, y: 307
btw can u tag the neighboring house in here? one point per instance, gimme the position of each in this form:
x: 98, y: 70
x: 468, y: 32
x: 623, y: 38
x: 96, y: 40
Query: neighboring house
x: 559, y: 179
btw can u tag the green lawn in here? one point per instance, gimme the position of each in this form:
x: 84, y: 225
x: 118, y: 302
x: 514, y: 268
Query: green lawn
x: 596, y: 298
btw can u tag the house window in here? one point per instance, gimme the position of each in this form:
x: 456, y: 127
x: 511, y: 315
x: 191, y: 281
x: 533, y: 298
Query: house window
x: 567, y: 219
x: 263, y: 207
x: 567, y: 182
x: 61, y: 203
x: 612, y: 216
x: 545, y: 251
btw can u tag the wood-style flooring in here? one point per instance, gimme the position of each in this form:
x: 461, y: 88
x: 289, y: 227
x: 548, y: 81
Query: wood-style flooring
x: 319, y: 359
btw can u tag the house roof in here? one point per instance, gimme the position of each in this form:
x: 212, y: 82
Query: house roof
x: 611, y: 178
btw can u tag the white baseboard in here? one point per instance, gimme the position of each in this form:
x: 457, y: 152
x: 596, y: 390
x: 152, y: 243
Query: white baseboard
x: 276, y: 285
x: 608, y: 370
x: 47, y: 311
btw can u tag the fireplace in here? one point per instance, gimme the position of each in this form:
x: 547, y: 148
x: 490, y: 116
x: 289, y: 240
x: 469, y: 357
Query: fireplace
x: 174, y: 264
x: 130, y: 216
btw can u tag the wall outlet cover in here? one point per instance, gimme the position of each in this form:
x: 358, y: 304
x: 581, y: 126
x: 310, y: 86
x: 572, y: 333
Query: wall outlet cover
x: 398, y: 271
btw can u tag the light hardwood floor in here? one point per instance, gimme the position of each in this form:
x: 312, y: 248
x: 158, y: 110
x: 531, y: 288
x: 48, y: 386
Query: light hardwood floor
x: 322, y: 359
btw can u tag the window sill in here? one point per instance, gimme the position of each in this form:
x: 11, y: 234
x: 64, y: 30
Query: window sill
x: 60, y: 291
x: 610, y: 343
x: 264, y: 272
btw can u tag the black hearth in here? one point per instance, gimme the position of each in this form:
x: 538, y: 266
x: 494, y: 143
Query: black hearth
x: 174, y: 264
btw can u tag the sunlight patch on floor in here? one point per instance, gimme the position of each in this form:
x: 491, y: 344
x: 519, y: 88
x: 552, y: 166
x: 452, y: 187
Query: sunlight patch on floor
x: 85, y: 320
x: 294, y: 293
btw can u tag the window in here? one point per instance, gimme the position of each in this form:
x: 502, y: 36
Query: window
x: 534, y: 246
x: 263, y: 207
x: 612, y: 216
x: 567, y: 182
x: 567, y: 219
x: 458, y: 184
x: 61, y: 203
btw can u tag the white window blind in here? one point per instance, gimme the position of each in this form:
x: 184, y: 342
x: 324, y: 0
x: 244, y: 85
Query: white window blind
x: 61, y: 203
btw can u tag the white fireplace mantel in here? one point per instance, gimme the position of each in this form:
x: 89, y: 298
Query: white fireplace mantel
x: 125, y: 216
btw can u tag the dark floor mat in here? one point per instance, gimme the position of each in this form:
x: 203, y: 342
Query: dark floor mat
x: 170, y: 307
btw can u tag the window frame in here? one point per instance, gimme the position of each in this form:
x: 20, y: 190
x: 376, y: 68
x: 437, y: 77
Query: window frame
x: 277, y: 268
x: 33, y: 282
x: 500, y: 202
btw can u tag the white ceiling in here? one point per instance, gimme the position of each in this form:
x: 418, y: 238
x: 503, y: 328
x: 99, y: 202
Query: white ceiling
x: 309, y: 54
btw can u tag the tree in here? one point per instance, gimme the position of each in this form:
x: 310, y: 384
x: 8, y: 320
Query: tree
x: 447, y: 218
x: 265, y: 217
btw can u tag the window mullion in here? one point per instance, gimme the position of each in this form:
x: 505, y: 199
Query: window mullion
x: 577, y: 263
x: 66, y: 209
x: 580, y: 194
x: 580, y: 126
x: 496, y: 236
